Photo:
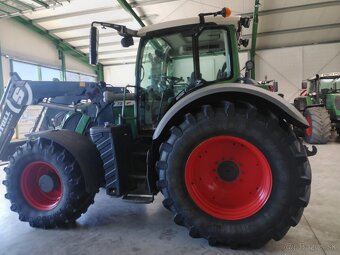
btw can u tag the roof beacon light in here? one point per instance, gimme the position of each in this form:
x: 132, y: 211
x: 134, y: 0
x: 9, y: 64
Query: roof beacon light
x: 225, y: 12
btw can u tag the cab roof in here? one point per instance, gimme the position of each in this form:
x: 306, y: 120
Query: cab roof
x: 333, y: 75
x: 232, y: 20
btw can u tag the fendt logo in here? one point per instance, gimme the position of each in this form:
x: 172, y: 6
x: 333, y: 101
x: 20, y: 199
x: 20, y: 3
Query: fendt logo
x: 20, y: 97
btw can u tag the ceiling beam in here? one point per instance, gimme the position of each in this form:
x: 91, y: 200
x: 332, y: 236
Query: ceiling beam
x: 108, y: 44
x: 294, y: 30
x: 75, y: 14
x: 10, y: 7
x: 70, y: 28
x: 58, y: 3
x: 26, y: 5
x: 295, y: 8
x: 85, y: 37
x: 119, y: 64
x: 82, y: 47
x: 150, y: 2
x: 292, y: 46
x: 60, y: 44
x: 117, y: 51
x: 41, y: 3
x: 28, y: 10
x: 7, y: 13
x: 127, y: 7
x: 115, y: 59
x: 98, y: 10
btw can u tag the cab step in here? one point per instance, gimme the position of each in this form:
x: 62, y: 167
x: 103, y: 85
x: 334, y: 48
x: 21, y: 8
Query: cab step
x: 138, y: 199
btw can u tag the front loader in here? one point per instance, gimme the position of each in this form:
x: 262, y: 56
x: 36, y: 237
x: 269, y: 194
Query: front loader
x: 222, y: 153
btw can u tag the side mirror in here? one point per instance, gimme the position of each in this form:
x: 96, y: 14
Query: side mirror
x: 127, y: 41
x: 275, y: 86
x: 245, y: 22
x: 304, y: 85
x: 244, y: 42
x: 249, y: 65
x: 94, y: 36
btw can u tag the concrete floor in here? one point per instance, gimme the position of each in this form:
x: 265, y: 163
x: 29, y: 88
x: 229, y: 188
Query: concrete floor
x: 112, y: 226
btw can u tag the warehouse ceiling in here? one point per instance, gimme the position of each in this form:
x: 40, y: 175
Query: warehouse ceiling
x: 282, y: 23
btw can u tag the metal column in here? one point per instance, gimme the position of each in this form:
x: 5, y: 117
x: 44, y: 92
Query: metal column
x: 61, y: 57
x: 254, y: 35
x: 1, y: 76
x: 127, y: 7
x: 100, y: 72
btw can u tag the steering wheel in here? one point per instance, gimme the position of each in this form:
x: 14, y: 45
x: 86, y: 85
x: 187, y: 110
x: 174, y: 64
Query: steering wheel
x: 169, y: 81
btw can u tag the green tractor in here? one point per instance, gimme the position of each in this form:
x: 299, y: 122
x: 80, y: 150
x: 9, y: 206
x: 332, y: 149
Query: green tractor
x: 270, y: 85
x: 319, y: 102
x: 223, y: 154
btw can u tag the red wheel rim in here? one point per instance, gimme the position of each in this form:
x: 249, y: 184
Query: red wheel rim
x: 31, y: 190
x: 309, y: 129
x: 228, y: 177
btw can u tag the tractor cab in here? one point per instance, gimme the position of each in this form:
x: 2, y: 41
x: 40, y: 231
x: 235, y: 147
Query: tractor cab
x: 319, y: 86
x: 175, y: 58
x: 174, y: 62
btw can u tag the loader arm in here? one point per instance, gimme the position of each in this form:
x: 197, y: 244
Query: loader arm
x: 21, y: 93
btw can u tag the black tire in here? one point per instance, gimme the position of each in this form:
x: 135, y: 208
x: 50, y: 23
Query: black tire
x: 290, y: 169
x: 66, y: 206
x: 320, y: 125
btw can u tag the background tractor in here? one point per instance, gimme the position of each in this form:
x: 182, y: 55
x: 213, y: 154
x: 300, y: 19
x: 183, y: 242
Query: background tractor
x: 319, y: 102
x: 270, y: 85
x: 222, y: 153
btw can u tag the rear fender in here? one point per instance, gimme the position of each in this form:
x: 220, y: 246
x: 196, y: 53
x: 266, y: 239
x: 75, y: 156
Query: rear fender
x: 234, y: 91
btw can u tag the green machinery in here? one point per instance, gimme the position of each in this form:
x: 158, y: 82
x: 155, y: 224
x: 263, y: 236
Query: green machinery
x: 319, y: 102
x: 223, y: 153
x: 270, y: 85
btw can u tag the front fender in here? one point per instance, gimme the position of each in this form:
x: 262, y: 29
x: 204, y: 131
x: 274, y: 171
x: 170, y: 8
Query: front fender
x: 83, y: 150
x: 236, y: 91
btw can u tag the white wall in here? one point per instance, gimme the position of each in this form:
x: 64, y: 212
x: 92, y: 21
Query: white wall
x: 17, y: 41
x: 5, y: 70
x: 121, y: 75
x: 289, y: 66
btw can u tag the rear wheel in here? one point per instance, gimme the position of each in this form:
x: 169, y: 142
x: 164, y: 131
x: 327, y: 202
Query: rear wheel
x: 45, y: 185
x: 319, y: 131
x: 234, y: 175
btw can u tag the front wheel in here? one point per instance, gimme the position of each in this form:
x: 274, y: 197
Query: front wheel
x: 234, y: 175
x: 45, y: 185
